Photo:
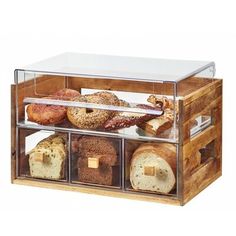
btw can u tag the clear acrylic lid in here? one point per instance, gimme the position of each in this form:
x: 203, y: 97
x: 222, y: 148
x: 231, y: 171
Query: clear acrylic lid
x: 131, y: 68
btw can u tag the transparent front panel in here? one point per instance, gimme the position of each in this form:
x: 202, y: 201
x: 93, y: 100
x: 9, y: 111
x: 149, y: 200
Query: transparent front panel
x: 42, y: 155
x: 151, y: 167
x: 96, y: 161
x: 117, y: 107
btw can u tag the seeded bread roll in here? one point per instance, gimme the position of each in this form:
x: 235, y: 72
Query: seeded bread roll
x: 47, y: 159
x: 153, y: 168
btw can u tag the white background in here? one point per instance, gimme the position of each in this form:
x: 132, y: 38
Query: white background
x: 198, y: 30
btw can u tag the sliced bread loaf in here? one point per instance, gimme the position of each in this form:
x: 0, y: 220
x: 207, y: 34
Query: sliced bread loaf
x: 153, y: 168
x: 47, y: 159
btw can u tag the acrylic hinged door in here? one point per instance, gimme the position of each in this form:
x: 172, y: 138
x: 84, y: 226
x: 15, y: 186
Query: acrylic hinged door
x: 118, y: 107
x: 151, y: 168
x: 42, y: 155
x: 96, y: 161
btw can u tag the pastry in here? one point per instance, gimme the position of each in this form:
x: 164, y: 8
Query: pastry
x: 159, y: 100
x: 47, y: 159
x: 153, y: 167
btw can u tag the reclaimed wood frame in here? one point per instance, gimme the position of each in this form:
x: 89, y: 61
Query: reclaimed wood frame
x: 194, y: 102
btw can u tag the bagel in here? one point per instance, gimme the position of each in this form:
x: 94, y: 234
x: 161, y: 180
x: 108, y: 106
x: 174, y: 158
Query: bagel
x: 50, y: 114
x: 110, y: 97
x: 89, y: 118
x: 66, y: 94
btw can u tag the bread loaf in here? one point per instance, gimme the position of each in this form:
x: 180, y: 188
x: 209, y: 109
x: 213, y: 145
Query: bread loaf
x: 158, y: 125
x: 98, y: 160
x: 153, y: 168
x: 47, y: 159
x: 99, y: 146
x: 104, y: 174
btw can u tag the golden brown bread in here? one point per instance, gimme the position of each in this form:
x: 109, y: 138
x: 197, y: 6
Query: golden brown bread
x: 47, y: 159
x: 51, y: 114
x: 153, y: 167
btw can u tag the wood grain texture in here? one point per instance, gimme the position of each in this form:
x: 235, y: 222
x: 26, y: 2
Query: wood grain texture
x: 209, y: 140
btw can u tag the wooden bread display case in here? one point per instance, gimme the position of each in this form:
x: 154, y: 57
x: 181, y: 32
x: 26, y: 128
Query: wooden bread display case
x: 138, y: 128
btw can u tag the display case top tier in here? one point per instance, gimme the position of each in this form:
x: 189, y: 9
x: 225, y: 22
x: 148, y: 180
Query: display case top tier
x: 120, y: 67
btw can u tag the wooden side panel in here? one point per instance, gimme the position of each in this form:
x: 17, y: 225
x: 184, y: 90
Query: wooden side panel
x: 196, y: 178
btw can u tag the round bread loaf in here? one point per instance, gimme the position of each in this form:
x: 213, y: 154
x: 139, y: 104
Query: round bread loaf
x: 153, y: 167
x: 46, y: 114
x: 51, y: 114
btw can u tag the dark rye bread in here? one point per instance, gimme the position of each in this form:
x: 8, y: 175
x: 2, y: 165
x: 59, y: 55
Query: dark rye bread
x: 99, y: 146
x: 103, y: 175
x: 107, y: 172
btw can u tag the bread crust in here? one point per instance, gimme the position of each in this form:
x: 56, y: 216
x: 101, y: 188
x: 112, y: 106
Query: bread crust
x: 107, y: 172
x: 53, y: 153
x: 162, y: 153
x: 166, y: 150
x: 89, y: 145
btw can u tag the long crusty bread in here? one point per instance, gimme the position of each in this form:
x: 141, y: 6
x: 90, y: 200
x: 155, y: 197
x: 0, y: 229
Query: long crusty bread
x: 47, y: 159
x: 153, y: 168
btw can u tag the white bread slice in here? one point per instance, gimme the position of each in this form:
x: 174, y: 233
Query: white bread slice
x: 153, y: 168
x: 47, y: 159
